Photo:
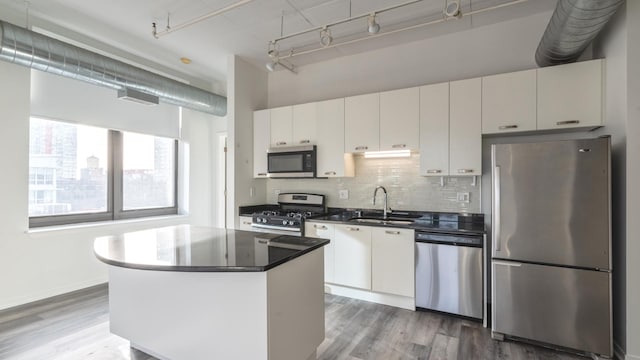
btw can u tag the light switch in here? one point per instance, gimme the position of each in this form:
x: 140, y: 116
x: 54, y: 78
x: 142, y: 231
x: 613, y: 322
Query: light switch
x: 463, y: 197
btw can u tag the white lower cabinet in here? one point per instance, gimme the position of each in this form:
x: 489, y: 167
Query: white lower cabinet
x: 392, y: 261
x: 323, y: 231
x: 352, y: 256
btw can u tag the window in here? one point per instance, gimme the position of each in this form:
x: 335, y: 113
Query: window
x: 81, y: 173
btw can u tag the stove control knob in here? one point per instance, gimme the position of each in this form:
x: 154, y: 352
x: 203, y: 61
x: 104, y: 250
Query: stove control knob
x: 291, y: 222
x: 284, y: 222
x: 264, y: 220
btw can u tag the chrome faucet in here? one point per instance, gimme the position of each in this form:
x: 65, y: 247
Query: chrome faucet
x: 375, y: 192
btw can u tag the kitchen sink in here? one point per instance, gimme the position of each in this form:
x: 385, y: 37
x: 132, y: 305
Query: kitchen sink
x: 387, y: 221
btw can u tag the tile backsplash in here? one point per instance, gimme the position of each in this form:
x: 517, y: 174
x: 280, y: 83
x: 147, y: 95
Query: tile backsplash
x: 400, y: 176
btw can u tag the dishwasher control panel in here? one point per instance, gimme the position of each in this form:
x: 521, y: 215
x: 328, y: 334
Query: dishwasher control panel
x: 449, y: 239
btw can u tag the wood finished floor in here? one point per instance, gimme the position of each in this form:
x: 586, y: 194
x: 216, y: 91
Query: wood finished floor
x: 76, y: 326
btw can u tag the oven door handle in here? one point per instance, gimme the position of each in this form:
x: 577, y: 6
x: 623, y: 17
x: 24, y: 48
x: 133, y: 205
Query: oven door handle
x: 274, y: 227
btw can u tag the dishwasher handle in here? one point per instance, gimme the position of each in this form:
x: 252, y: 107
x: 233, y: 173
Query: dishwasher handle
x: 449, y: 239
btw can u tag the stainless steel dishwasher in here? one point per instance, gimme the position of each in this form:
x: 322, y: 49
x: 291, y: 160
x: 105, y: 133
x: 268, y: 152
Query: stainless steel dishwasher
x: 449, y: 273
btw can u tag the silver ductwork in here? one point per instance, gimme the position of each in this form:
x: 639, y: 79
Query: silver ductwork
x: 24, y: 47
x: 574, y: 24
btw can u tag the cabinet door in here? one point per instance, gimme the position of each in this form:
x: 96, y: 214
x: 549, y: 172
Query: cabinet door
x: 362, y: 123
x: 509, y: 102
x: 332, y: 160
x: 261, y: 140
x: 465, y: 127
x: 400, y: 119
x: 245, y: 223
x: 434, y: 130
x: 570, y: 95
x: 323, y: 231
x: 304, y: 124
x: 392, y: 261
x: 352, y: 256
x: 281, y: 126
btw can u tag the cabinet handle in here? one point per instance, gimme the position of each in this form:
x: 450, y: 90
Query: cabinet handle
x: 399, y: 146
x: 353, y: 229
x: 392, y: 232
x: 329, y: 172
x: 281, y: 143
x: 321, y: 227
x: 305, y: 141
x: 465, y: 171
x: 507, y: 127
x: 434, y: 171
x: 362, y: 147
x: 246, y: 222
x: 262, y: 174
x: 568, y: 122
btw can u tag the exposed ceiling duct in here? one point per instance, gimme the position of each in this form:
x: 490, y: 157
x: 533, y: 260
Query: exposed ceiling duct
x: 24, y: 47
x: 574, y: 24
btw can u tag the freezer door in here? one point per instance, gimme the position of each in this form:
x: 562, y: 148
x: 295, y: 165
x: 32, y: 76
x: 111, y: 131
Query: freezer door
x: 551, y: 202
x: 554, y: 305
x: 449, y: 278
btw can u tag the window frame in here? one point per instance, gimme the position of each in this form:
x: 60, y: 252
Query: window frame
x: 115, y: 211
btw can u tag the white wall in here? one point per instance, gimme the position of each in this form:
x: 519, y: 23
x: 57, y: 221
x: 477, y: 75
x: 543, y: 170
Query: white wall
x: 247, y: 91
x: 633, y: 179
x: 47, y: 263
x: 502, y: 47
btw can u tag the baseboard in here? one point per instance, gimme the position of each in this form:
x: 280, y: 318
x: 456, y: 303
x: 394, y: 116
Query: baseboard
x: 22, y: 300
x: 619, y: 353
x: 379, y: 298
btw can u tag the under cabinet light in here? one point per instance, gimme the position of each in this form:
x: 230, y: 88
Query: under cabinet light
x: 387, y: 154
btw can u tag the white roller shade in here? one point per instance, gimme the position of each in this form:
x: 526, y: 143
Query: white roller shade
x: 58, y: 98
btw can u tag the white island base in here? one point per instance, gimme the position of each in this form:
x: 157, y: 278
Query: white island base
x: 277, y: 314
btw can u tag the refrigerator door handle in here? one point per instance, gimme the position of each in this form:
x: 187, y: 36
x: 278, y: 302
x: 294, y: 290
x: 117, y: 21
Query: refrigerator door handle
x: 504, y: 263
x: 496, y: 208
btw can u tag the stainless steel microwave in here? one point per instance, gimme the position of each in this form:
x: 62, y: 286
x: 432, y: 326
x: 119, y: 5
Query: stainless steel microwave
x: 292, y: 162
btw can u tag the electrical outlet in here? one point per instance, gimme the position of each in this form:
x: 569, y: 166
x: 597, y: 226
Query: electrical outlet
x: 463, y: 197
x: 344, y: 194
x: 252, y: 191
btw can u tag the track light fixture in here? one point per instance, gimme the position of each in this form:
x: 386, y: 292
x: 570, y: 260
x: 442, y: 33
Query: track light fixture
x: 452, y: 9
x: 373, y: 27
x: 325, y: 37
x: 274, y: 54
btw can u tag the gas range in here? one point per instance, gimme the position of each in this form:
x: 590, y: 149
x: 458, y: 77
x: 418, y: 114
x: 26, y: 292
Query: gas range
x: 294, y: 208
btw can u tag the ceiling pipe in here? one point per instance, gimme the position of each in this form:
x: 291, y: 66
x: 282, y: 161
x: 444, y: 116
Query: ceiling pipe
x: 573, y: 25
x: 27, y: 48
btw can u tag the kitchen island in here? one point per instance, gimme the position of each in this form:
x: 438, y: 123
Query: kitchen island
x: 185, y: 292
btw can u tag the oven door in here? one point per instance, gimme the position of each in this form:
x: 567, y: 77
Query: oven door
x: 270, y: 229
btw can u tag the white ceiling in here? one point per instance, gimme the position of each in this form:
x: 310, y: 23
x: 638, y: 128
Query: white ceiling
x: 124, y: 27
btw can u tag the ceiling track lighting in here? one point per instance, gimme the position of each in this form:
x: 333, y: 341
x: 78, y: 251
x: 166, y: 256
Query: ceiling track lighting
x: 274, y: 55
x: 325, y: 37
x: 450, y: 7
x: 372, y: 25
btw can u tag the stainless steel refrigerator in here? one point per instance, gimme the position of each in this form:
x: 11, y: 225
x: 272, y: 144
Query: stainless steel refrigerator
x: 551, y: 243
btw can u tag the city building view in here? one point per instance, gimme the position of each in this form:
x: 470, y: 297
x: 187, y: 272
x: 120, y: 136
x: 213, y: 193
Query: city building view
x: 69, y: 172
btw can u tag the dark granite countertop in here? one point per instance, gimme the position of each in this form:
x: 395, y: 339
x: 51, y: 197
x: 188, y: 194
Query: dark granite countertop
x: 420, y: 220
x: 202, y: 249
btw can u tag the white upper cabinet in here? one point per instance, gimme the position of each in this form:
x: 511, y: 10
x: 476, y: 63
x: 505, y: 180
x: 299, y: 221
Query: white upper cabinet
x: 570, y: 95
x: 399, y: 119
x: 261, y: 140
x: 362, y: 123
x: 434, y: 130
x: 509, y: 102
x: 304, y: 124
x: 465, y: 127
x: 282, y: 126
x: 333, y: 161
x: 392, y: 261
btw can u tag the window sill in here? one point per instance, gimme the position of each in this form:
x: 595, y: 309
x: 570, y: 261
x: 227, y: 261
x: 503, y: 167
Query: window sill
x: 169, y: 219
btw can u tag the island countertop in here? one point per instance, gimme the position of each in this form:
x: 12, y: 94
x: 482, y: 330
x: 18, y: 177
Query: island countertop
x: 201, y: 249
